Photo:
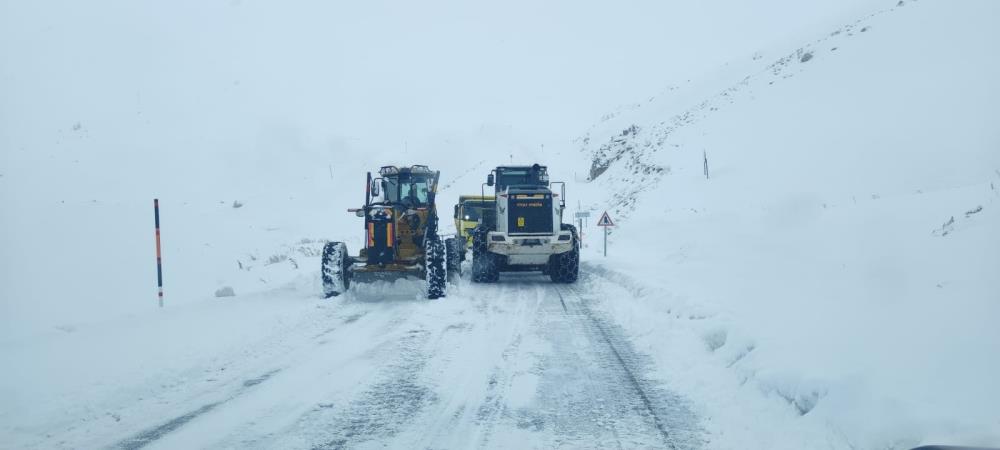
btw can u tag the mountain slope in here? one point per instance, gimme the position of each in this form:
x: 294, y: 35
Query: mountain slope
x: 840, y: 262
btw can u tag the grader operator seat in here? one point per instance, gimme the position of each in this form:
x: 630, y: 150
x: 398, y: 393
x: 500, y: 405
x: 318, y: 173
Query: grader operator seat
x: 407, y: 192
x: 406, y: 187
x: 416, y: 194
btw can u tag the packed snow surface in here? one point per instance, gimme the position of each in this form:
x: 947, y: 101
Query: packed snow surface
x: 830, y: 282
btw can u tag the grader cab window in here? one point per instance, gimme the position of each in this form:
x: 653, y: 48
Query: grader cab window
x: 408, y: 190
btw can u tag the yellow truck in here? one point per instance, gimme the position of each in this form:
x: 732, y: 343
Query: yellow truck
x: 468, y: 213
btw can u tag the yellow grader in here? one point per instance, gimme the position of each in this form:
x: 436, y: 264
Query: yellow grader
x: 401, y: 235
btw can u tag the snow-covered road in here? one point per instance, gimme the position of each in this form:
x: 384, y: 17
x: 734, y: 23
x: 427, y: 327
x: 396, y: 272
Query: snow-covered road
x: 522, y: 363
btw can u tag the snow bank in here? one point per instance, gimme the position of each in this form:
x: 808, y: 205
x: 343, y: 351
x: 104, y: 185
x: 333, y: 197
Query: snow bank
x: 834, y: 282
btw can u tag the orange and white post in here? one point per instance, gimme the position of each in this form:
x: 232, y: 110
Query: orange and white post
x: 159, y: 261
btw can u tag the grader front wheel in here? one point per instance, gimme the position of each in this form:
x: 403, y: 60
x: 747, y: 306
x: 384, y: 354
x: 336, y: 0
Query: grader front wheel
x: 335, y: 270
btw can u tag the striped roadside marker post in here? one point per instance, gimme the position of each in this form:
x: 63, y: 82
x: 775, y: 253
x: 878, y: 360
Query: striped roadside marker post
x: 159, y: 262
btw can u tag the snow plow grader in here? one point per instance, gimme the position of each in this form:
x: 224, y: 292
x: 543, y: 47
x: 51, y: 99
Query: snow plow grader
x: 401, y: 235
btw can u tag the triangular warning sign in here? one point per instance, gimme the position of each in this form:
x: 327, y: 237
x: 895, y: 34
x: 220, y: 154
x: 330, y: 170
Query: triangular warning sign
x: 605, y: 220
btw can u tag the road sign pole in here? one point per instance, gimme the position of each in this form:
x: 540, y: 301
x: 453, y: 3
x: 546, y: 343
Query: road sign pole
x: 605, y: 222
x: 581, y: 216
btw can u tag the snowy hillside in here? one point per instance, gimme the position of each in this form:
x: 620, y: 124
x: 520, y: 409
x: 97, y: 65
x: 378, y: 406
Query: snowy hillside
x: 841, y: 261
x: 832, y: 285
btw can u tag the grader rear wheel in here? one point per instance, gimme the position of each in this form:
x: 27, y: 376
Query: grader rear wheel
x: 453, y: 248
x: 436, y: 268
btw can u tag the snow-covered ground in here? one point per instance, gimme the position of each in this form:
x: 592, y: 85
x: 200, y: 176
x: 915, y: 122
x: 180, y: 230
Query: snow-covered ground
x: 841, y: 262
x: 832, y: 285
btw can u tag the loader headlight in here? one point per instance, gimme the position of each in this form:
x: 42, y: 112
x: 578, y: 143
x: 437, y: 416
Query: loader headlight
x: 466, y: 217
x: 497, y: 238
x: 564, y: 237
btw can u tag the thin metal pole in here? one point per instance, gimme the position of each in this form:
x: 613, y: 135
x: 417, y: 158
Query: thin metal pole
x: 605, y: 242
x: 704, y: 154
x: 579, y: 208
x: 159, y: 261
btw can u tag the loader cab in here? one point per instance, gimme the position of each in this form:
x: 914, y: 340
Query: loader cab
x: 525, y: 200
x: 534, y: 176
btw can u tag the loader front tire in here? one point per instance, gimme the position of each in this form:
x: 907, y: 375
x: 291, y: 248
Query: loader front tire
x: 565, y: 267
x: 485, y: 265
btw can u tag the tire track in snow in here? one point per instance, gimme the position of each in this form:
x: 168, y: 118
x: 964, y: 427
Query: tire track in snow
x: 289, y: 350
x: 387, y: 401
x: 153, y: 434
x: 518, y: 364
x: 668, y: 412
x: 494, y: 406
x: 554, y: 375
x: 272, y: 350
x: 472, y: 365
x: 629, y: 373
x: 383, y: 409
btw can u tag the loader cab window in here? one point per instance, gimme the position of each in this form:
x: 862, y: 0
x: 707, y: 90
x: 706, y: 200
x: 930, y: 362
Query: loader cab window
x: 407, y: 190
x: 521, y: 176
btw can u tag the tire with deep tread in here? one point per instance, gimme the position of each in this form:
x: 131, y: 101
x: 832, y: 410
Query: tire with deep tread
x: 454, y: 258
x: 485, y: 267
x: 335, y: 269
x: 565, y: 267
x: 436, y: 267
